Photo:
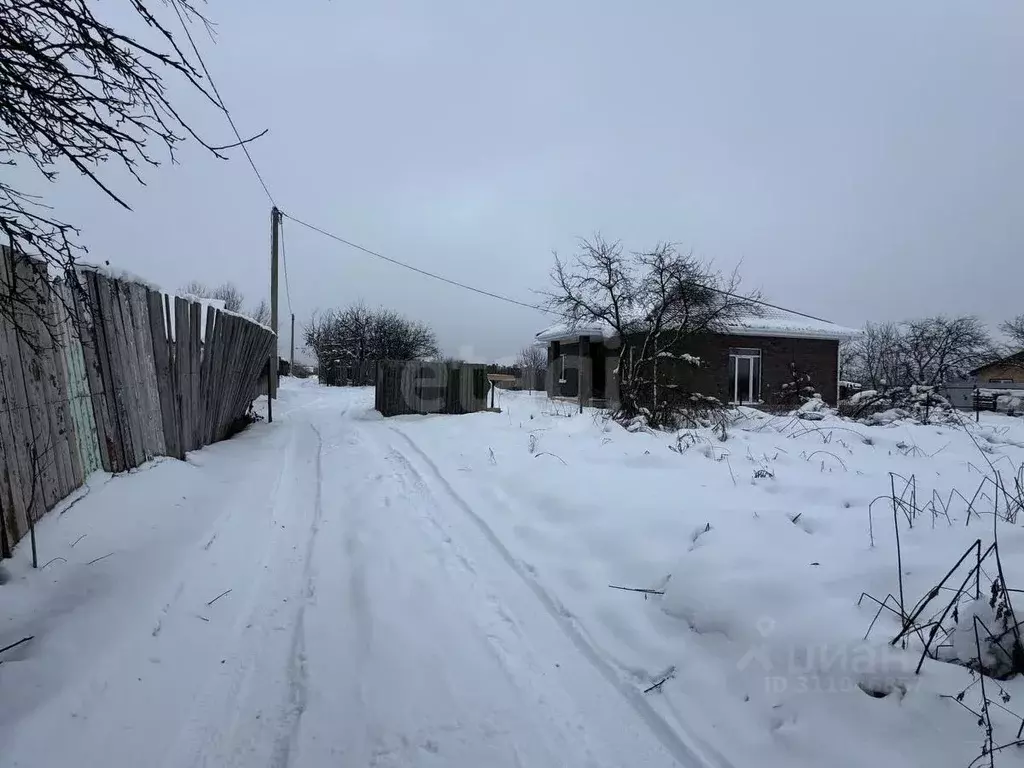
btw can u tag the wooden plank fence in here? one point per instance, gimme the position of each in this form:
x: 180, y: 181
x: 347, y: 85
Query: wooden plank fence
x: 100, y: 374
x: 405, y: 387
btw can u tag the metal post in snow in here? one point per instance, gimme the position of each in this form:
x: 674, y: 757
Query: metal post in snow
x: 270, y: 400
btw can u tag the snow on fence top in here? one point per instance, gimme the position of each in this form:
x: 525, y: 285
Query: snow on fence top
x: 768, y: 322
x: 124, y: 276
x: 114, y: 273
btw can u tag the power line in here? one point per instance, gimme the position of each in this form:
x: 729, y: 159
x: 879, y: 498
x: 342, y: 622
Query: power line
x: 456, y: 283
x: 223, y: 106
x: 770, y: 306
x: 433, y: 275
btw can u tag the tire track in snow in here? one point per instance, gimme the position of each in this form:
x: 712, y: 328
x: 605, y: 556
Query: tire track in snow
x: 220, y: 726
x: 699, y: 754
x: 298, y: 674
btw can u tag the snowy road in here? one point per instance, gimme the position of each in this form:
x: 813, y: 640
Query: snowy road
x: 372, y: 620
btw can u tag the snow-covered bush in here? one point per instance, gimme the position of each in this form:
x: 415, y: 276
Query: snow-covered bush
x: 795, y: 392
x: 1010, y: 403
x: 984, y: 638
x: 815, y: 409
x: 691, y: 410
x: 919, y: 403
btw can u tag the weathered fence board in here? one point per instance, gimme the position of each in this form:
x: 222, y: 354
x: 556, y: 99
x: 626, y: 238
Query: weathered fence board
x: 236, y: 372
x: 127, y: 370
x: 195, y: 350
x: 173, y: 377
x: 54, y: 403
x: 12, y: 400
x: 154, y: 429
x: 206, y: 383
x: 119, y: 436
x: 183, y: 359
x: 89, y: 336
x: 232, y: 373
x: 40, y: 444
x: 231, y: 330
x: 86, y: 440
x: 93, y: 374
x: 65, y: 420
x: 162, y: 372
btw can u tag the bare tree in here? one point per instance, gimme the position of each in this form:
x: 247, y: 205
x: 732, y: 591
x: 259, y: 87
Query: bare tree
x: 532, y: 361
x: 234, y: 300
x: 393, y: 337
x: 656, y: 303
x: 937, y: 349
x: 318, y: 337
x: 196, y: 289
x: 354, y: 327
x: 230, y: 295
x: 226, y: 292
x: 927, y: 351
x: 533, y: 357
x: 357, y: 334
x: 874, y: 358
x: 260, y: 313
x: 77, y: 92
x: 1015, y: 330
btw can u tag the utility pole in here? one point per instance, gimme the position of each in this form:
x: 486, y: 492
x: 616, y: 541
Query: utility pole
x: 292, y: 358
x: 275, y: 223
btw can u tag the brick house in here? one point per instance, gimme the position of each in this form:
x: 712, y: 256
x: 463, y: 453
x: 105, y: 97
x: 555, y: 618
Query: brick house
x: 747, y: 364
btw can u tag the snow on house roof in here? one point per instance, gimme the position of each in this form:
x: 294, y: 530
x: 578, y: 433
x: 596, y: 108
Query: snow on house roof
x: 1016, y: 357
x: 563, y: 331
x: 772, y: 321
x: 769, y: 321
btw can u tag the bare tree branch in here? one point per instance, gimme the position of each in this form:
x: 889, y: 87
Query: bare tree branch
x: 75, y: 92
x: 655, y: 302
x: 1015, y: 330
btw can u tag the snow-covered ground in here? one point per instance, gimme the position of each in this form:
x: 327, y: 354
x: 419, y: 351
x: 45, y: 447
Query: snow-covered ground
x: 340, y: 589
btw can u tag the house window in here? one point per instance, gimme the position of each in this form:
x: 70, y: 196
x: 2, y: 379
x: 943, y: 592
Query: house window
x: 745, y: 375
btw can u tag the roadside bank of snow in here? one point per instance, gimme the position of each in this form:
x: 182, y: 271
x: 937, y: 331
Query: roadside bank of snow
x: 762, y: 547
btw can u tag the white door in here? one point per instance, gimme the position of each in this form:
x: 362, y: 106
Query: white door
x: 746, y: 383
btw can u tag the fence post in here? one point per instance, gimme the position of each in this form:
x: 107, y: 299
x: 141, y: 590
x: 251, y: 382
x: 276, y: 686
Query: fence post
x: 270, y: 400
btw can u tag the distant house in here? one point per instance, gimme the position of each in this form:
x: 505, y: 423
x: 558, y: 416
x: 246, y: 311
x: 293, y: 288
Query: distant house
x: 1005, y: 376
x: 747, y: 364
x: 1007, y: 372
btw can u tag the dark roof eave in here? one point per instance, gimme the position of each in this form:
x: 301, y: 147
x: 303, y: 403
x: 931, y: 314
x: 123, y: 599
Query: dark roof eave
x: 1016, y: 357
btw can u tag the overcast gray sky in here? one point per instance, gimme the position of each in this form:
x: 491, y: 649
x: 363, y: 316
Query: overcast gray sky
x: 864, y: 161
